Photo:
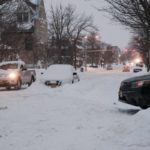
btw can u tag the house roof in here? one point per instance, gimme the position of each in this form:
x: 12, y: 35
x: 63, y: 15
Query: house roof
x: 36, y: 2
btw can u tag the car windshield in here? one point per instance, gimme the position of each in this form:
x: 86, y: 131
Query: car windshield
x: 9, y: 66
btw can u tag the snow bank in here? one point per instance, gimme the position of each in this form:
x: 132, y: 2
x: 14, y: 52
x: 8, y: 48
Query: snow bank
x: 82, y: 116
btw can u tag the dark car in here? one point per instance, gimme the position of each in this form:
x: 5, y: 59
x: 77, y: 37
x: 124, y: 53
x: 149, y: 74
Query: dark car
x: 137, y: 69
x: 136, y: 91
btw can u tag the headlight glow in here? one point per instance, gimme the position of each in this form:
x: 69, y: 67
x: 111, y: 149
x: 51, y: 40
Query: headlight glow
x: 12, y: 75
x: 137, y: 60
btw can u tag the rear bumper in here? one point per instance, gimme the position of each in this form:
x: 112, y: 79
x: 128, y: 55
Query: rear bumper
x: 135, y: 98
x: 130, y: 97
x: 53, y: 83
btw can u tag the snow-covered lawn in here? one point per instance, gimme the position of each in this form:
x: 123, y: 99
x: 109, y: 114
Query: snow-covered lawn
x: 82, y: 116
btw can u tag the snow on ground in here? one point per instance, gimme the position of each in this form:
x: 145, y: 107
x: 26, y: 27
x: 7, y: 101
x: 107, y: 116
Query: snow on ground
x: 82, y: 116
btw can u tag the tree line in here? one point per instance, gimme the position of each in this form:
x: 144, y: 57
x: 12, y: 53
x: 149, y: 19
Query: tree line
x: 135, y: 15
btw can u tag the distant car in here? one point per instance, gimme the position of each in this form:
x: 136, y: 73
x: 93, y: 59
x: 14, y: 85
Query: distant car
x: 135, y: 91
x: 109, y: 67
x: 140, y: 64
x: 59, y: 74
x: 126, y: 69
x: 94, y: 66
x: 137, y: 69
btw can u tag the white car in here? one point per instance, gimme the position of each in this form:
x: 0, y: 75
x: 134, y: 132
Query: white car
x: 59, y: 74
x: 14, y: 74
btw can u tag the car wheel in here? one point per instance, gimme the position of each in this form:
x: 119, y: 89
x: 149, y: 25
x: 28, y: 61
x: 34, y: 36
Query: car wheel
x: 144, y: 107
x: 33, y: 79
x: 18, y: 85
x: 143, y: 104
x: 8, y: 88
x: 29, y: 84
x: 72, y: 81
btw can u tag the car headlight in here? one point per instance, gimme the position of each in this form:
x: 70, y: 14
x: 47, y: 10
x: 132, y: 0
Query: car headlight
x: 12, y: 75
x: 137, y: 84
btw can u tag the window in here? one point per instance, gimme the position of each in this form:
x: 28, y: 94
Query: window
x: 29, y: 43
x: 23, y: 17
x: 19, y: 17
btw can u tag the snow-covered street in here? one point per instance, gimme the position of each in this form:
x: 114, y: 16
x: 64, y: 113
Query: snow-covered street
x: 82, y: 116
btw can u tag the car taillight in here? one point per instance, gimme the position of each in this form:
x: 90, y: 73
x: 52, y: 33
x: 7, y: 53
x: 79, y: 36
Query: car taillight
x: 137, y: 84
x: 140, y: 83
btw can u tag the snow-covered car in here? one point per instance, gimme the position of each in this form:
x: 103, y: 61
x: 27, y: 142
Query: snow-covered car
x: 59, y: 74
x: 109, y: 67
x: 126, y: 69
x: 14, y: 74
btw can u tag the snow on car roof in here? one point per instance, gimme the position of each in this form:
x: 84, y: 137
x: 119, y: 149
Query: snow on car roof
x: 20, y: 62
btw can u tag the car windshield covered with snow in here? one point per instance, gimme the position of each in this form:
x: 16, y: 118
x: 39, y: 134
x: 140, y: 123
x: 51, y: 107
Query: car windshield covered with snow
x: 8, y: 66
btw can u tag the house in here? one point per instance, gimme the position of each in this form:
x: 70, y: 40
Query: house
x: 24, y: 28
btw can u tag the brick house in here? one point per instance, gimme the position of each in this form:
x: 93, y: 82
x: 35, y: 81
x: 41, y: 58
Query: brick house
x: 26, y: 32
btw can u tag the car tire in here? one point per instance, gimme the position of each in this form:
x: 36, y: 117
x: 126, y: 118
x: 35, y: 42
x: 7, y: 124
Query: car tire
x: 33, y: 79
x: 72, y: 81
x: 18, y: 85
x: 143, y: 104
x: 29, y: 84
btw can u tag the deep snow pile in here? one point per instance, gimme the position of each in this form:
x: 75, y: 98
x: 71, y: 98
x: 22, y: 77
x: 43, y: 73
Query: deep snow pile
x: 82, y: 116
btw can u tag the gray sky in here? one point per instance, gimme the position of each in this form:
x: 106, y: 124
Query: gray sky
x: 110, y: 31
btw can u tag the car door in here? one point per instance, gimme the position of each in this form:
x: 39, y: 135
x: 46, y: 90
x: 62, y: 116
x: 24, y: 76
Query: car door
x: 25, y: 75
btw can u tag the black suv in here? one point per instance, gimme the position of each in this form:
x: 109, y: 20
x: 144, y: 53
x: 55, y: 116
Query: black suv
x: 136, y: 91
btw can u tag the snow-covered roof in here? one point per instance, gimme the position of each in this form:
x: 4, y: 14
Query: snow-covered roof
x: 20, y: 62
x: 35, y: 1
x: 25, y: 26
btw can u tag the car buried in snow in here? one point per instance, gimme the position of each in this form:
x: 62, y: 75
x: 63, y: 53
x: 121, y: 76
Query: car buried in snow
x: 126, y: 69
x: 15, y: 74
x: 59, y: 74
x: 136, y: 91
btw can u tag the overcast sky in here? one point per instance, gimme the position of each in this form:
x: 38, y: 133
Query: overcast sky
x: 110, y: 31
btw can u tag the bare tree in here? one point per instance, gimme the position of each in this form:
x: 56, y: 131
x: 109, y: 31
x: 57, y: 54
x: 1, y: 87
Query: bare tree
x: 134, y: 14
x: 66, y: 28
x: 93, y: 43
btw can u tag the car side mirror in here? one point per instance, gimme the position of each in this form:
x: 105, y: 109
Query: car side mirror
x: 74, y: 74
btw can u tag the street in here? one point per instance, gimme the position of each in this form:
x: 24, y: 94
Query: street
x: 81, y: 116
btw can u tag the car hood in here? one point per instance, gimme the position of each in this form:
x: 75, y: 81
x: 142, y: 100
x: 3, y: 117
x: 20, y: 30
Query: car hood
x: 143, y: 77
x: 8, y: 71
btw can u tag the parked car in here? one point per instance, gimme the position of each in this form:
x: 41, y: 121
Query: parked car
x: 140, y: 64
x: 93, y: 66
x: 14, y: 74
x: 109, y: 67
x: 59, y: 74
x: 137, y: 69
x: 136, y: 91
x: 126, y: 69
